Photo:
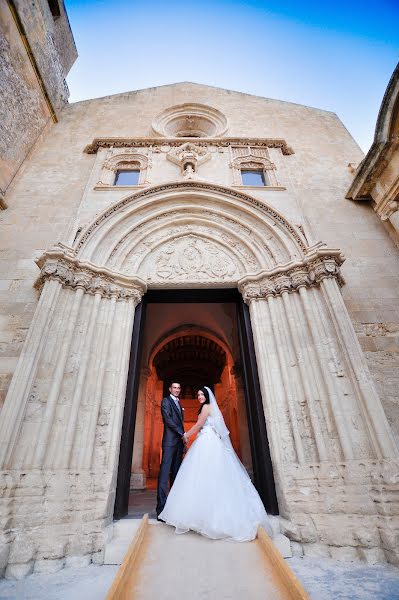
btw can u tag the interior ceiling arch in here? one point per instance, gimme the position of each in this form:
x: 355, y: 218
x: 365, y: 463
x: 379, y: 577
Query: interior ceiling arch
x: 192, y: 354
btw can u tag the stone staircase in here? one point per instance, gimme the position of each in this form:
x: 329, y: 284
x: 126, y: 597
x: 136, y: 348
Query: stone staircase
x: 122, y: 532
x: 157, y: 563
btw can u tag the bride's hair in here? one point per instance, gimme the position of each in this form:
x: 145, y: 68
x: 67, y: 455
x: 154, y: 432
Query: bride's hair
x: 207, y: 399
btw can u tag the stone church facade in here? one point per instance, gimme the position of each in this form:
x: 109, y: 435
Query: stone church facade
x: 188, y: 187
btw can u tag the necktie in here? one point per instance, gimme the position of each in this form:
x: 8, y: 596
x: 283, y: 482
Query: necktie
x: 176, y: 400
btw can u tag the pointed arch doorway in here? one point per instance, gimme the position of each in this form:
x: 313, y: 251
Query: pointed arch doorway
x: 191, y: 358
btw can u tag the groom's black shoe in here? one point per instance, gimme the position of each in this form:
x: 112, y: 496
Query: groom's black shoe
x: 158, y: 519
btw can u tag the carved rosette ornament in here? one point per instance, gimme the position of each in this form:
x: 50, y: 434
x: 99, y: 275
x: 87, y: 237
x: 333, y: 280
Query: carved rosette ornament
x: 61, y: 264
x: 317, y: 265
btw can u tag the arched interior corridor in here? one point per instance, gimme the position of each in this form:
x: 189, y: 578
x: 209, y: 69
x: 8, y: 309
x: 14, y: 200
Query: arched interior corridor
x: 195, y: 344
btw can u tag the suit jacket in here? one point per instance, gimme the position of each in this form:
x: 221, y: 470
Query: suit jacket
x: 173, y: 422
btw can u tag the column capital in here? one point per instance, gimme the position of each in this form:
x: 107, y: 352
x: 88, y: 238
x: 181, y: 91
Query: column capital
x: 317, y: 264
x: 60, y: 263
x: 387, y: 209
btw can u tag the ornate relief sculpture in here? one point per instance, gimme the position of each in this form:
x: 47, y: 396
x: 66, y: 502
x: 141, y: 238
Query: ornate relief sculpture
x: 189, y: 156
x: 190, y: 259
x: 318, y: 265
x: 61, y: 265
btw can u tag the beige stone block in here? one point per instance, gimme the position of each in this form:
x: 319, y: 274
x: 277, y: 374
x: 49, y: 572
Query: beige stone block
x: 316, y: 551
x: 344, y: 553
x: 392, y: 557
x: 373, y: 556
x: 390, y: 537
x: 48, y: 566
x: 19, y: 570
x: 283, y: 545
x: 297, y: 549
x: 22, y: 549
x: 368, y: 344
x: 77, y: 562
x: 387, y: 344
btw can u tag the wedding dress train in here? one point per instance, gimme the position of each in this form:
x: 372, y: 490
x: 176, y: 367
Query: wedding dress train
x: 212, y: 493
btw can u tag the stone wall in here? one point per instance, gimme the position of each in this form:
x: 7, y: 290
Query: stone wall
x: 56, y: 195
x: 62, y: 189
x: 380, y: 343
x: 26, y: 111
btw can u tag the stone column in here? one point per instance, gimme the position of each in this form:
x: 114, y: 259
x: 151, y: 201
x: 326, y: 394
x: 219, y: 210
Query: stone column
x: 330, y: 441
x: 156, y: 431
x: 138, y: 477
x: 314, y: 376
x: 61, y: 425
x: 238, y: 388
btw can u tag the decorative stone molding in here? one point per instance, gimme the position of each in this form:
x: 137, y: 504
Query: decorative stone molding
x: 188, y: 156
x: 199, y: 186
x: 389, y: 208
x: 385, y: 143
x: 190, y: 120
x: 318, y: 264
x: 376, y: 177
x: 130, y: 251
x: 165, y: 144
x: 127, y: 161
x: 252, y: 161
x: 61, y: 264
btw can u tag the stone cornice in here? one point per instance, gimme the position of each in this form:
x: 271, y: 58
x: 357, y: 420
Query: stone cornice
x: 318, y: 264
x: 139, y: 142
x: 385, y: 142
x: 388, y: 203
x: 371, y: 168
x: 60, y: 264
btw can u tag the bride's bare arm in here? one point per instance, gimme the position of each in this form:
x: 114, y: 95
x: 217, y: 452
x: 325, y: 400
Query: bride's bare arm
x: 201, y: 420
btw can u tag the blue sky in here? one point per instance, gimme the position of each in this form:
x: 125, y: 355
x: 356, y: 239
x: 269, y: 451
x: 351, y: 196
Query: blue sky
x: 338, y: 56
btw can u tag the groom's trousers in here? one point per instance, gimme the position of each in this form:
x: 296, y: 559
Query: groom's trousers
x: 172, y: 457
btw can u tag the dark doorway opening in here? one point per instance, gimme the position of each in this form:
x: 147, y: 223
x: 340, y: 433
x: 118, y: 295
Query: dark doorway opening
x: 259, y: 447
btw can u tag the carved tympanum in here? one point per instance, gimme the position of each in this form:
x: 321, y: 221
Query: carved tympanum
x: 190, y: 259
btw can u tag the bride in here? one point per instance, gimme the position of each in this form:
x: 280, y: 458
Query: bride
x: 212, y: 493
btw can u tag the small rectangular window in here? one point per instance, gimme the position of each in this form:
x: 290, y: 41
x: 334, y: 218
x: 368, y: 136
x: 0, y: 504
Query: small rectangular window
x: 130, y: 177
x: 253, y: 177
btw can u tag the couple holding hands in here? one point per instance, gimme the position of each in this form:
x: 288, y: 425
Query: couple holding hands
x: 210, y: 491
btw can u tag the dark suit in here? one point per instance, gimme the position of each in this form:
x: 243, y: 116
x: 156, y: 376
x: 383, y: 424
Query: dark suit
x: 172, y: 448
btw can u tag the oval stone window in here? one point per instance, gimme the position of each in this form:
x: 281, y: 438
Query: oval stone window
x: 190, y: 121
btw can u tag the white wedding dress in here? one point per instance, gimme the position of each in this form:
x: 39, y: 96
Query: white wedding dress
x: 212, y: 493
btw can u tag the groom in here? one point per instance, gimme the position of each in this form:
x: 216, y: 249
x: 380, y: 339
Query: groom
x: 172, y: 443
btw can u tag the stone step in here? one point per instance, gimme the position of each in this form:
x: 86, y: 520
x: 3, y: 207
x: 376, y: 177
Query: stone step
x: 123, y: 532
x: 175, y: 567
